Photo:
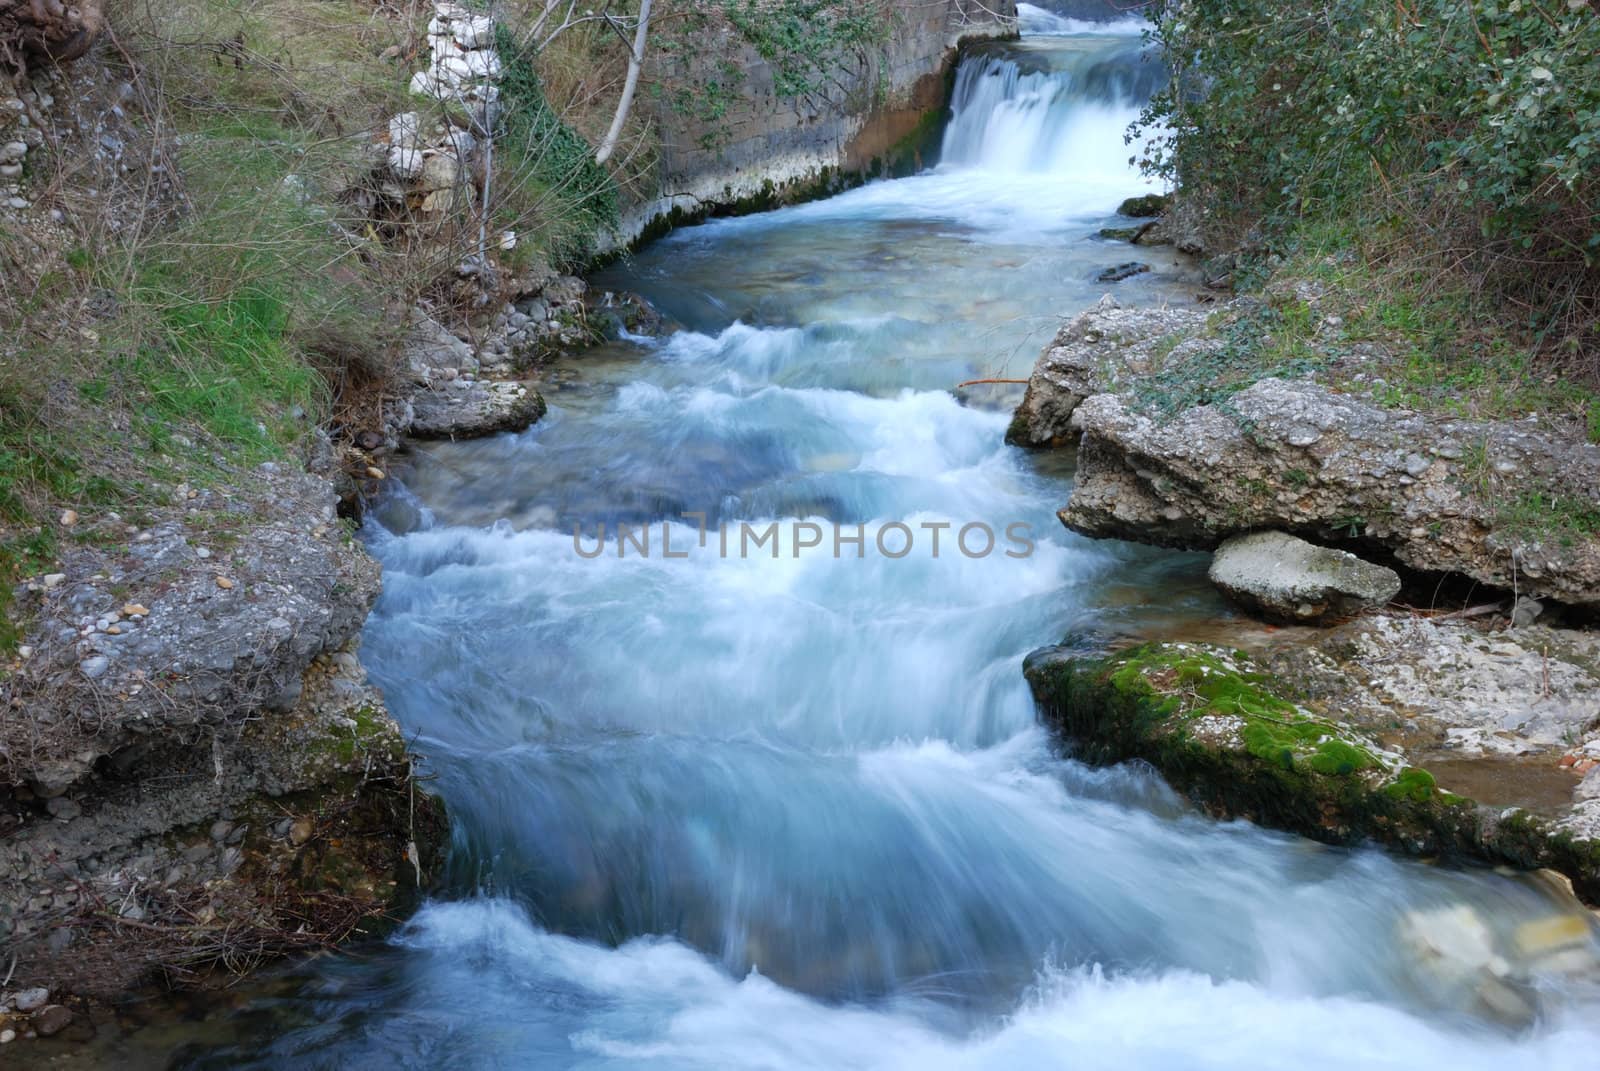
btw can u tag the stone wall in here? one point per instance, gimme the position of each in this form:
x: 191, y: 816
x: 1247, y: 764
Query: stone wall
x: 768, y: 149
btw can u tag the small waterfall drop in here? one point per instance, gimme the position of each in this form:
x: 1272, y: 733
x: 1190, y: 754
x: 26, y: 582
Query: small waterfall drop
x: 1053, y: 105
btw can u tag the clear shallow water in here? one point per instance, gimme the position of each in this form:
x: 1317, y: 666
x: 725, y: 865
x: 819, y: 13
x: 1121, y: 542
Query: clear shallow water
x: 797, y: 812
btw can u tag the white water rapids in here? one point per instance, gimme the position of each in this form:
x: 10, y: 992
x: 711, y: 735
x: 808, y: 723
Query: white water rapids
x: 798, y: 813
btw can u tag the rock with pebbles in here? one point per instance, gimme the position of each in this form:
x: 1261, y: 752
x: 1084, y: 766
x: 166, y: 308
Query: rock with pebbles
x: 1284, y: 578
x: 1092, y: 352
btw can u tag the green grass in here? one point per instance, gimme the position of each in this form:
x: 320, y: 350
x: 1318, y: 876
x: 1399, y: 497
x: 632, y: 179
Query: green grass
x: 1547, y: 516
x: 1446, y: 353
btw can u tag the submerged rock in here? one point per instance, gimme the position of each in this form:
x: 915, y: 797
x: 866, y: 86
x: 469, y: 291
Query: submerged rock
x: 1122, y: 271
x: 1454, y: 957
x: 1287, y: 579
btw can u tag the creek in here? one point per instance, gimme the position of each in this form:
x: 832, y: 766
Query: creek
x: 798, y: 811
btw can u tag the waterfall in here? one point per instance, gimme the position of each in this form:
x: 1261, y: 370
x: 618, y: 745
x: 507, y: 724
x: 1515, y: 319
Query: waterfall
x: 1051, y: 107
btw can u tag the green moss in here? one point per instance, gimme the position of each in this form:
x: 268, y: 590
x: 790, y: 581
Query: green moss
x: 1413, y: 784
x: 1338, y: 758
x: 1160, y: 703
x: 1151, y: 204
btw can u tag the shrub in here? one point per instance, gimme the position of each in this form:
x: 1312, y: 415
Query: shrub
x: 555, y: 189
x: 1473, y: 127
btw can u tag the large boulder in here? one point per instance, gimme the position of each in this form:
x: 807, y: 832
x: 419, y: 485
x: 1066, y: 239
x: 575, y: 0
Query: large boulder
x: 1503, y: 503
x: 1287, y: 579
x: 1341, y: 739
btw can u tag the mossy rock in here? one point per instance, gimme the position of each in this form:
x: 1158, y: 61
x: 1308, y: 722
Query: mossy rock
x: 1151, y: 204
x: 1223, y: 734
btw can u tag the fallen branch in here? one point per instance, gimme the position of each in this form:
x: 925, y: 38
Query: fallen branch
x: 975, y: 382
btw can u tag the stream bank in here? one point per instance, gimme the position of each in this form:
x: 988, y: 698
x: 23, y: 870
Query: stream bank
x: 1450, y: 725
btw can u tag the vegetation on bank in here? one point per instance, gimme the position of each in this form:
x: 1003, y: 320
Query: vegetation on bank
x: 1437, y: 164
x: 206, y: 295
x: 217, y: 286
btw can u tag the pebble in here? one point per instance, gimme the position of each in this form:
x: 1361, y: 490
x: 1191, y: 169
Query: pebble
x: 54, y: 580
x: 375, y: 472
x: 28, y: 1000
x: 220, y: 830
x: 224, y: 583
x: 95, y: 667
x: 7, y: 1036
x: 69, y: 517
x: 300, y: 831
x: 134, y: 609
x: 202, y: 552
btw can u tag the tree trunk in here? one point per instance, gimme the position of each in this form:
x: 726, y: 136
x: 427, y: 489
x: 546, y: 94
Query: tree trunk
x: 635, y: 62
x: 49, y: 31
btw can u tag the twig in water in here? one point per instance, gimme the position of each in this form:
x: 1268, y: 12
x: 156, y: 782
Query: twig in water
x: 975, y: 382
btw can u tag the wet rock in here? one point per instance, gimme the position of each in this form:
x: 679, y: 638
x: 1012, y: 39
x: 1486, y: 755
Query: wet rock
x: 1287, y: 579
x: 51, y: 1020
x: 1122, y: 271
x: 474, y: 410
x: 1218, y: 723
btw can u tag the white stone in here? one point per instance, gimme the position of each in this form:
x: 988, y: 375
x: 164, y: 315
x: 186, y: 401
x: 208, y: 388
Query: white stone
x: 473, y: 32
x: 29, y: 1000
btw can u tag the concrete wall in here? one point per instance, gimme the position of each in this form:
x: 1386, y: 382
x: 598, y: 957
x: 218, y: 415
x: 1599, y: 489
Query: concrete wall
x: 766, y: 150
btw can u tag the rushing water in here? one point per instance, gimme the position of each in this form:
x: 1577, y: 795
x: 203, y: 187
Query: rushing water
x: 797, y: 812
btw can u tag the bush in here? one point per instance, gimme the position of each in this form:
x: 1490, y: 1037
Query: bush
x: 555, y: 188
x: 1474, y: 127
